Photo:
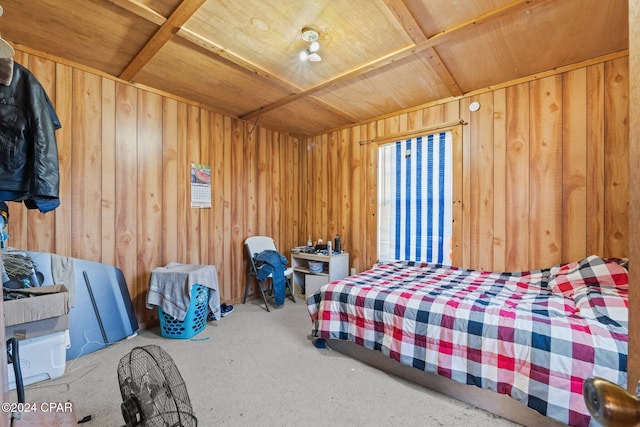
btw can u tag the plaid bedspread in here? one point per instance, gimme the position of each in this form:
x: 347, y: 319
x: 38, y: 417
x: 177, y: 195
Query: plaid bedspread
x: 534, y: 336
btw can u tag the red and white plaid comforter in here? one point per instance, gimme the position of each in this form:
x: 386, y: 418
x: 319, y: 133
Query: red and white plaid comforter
x: 535, y: 336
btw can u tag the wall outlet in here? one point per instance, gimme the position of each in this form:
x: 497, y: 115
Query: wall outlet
x: 353, y: 271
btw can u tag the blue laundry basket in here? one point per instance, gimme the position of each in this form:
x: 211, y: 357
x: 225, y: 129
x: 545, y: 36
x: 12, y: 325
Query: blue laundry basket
x: 194, y: 321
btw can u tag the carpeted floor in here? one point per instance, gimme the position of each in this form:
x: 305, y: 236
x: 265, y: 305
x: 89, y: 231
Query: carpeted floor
x: 258, y: 368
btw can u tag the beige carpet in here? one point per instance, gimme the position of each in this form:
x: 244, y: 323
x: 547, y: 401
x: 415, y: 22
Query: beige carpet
x: 254, y: 368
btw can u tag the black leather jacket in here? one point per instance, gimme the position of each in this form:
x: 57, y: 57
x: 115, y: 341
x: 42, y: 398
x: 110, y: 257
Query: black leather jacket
x: 29, y: 168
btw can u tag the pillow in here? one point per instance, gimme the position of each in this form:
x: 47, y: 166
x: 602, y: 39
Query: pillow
x: 599, y: 287
x: 591, y: 271
x: 606, y: 304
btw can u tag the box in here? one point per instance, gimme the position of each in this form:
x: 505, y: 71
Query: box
x: 46, y: 310
x: 41, y: 358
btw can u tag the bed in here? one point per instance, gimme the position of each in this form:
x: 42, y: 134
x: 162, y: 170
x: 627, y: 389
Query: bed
x: 533, y: 337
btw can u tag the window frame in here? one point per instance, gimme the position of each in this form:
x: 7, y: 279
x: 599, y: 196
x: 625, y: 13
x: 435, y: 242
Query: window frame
x: 456, y: 184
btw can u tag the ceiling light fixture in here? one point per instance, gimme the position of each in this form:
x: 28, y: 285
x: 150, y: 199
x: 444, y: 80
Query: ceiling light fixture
x: 311, y: 36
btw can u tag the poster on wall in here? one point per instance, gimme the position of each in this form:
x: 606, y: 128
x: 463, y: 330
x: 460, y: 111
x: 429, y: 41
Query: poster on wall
x: 200, y: 186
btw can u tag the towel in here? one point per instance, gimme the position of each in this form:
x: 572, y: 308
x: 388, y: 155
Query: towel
x: 63, y: 273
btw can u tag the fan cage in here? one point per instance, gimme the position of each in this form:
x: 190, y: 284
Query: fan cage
x: 151, y: 384
x: 195, y: 320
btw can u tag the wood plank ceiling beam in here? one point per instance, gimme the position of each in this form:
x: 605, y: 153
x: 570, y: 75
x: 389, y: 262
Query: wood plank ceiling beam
x: 141, y: 10
x: 422, y: 43
x: 439, y: 38
x: 245, y: 65
x: 179, y: 16
x: 417, y: 34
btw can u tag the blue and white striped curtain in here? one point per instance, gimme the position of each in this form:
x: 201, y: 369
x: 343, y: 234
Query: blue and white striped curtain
x: 415, y: 199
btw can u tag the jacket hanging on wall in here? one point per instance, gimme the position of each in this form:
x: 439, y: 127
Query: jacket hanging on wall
x: 29, y: 169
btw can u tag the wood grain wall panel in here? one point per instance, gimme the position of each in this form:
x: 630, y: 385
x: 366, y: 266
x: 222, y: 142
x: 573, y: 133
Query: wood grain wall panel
x: 353, y: 237
x: 323, y: 189
x: 41, y: 230
x: 229, y: 246
x: 465, y: 243
x: 456, y: 238
x: 265, y: 177
x: 192, y: 144
x: 413, y: 121
x: 125, y: 156
x: 108, y: 178
x: 482, y: 184
x: 307, y: 205
x: 370, y: 251
x: 126, y: 172
x: 391, y: 125
x: 171, y: 230
x: 315, y: 186
x: 344, y: 182
x: 545, y: 191
x: 242, y: 197
x: 86, y: 179
x: 183, y: 193
x: 333, y: 187
x: 246, y: 179
x: 574, y: 165
x: 106, y: 122
x: 304, y: 226
x: 616, y: 155
x: 499, y: 179
x: 633, y: 361
x: 63, y: 106
x: 278, y: 201
x: 452, y: 111
x: 291, y: 184
x: 517, y: 178
x: 595, y: 159
x: 433, y: 116
x: 533, y: 159
x: 217, y: 222
x: 261, y: 177
x: 204, y: 144
x: 149, y: 189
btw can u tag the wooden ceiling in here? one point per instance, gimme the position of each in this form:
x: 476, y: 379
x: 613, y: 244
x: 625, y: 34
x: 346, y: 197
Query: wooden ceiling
x: 240, y: 57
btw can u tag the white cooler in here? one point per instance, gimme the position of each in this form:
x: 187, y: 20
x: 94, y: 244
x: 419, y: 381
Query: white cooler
x: 41, y: 358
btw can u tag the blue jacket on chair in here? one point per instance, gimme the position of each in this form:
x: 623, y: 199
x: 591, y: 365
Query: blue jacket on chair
x: 274, y: 263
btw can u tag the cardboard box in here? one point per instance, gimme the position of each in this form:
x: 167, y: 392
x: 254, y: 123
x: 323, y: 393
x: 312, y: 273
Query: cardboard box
x: 45, y: 310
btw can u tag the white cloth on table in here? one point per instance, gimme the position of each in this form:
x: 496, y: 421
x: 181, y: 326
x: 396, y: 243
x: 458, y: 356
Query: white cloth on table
x: 170, y: 288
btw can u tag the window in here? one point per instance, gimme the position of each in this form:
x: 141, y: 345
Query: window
x: 415, y: 199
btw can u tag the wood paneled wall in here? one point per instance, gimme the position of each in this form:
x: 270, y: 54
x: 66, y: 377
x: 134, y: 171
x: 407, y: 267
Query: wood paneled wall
x: 633, y: 361
x: 544, y: 175
x: 125, y: 154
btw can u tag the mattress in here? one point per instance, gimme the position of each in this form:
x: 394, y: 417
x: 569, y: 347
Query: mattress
x: 532, y: 335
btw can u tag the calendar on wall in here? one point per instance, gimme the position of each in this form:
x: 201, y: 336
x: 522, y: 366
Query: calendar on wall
x: 200, y: 186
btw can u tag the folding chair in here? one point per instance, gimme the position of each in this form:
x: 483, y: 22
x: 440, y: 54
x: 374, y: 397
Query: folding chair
x: 255, y: 245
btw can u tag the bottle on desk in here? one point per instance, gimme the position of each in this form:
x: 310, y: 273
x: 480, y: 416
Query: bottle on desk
x: 337, y: 245
x: 329, y: 247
